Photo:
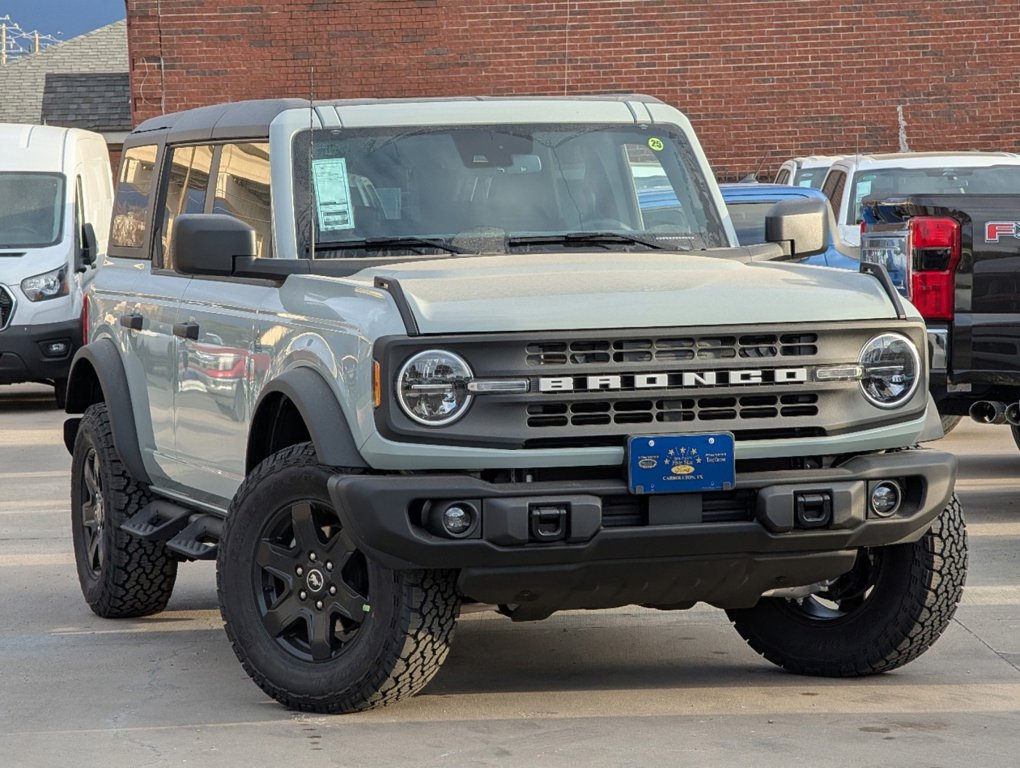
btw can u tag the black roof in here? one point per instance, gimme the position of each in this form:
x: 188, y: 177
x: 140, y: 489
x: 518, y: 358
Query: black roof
x: 95, y: 101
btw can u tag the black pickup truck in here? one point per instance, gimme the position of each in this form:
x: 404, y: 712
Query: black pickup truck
x: 957, y: 258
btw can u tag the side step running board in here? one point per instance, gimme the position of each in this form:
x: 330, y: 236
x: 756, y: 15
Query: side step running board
x: 185, y: 532
x: 158, y: 521
x: 200, y: 539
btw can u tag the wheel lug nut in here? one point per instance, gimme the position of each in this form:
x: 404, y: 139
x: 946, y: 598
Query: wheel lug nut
x: 332, y: 590
x: 302, y: 594
x: 311, y: 555
x: 300, y: 571
x: 329, y: 566
x: 318, y: 604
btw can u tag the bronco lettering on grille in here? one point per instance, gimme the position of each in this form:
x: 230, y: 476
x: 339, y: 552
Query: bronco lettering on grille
x: 684, y: 380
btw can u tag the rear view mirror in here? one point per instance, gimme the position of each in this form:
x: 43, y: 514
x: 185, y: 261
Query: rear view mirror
x: 207, y: 243
x: 89, y: 251
x: 800, y: 225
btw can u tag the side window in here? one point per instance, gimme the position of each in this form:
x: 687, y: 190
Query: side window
x: 134, y: 190
x: 783, y: 177
x: 833, y: 189
x: 242, y: 190
x: 187, y: 182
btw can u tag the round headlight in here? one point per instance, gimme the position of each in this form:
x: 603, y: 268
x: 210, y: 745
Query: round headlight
x: 890, y: 370
x: 432, y: 387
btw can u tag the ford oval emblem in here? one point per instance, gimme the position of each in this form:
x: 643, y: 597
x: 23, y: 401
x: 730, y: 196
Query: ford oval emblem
x: 647, y: 463
x: 682, y: 469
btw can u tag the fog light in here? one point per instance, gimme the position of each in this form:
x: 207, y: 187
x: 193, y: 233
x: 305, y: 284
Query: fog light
x: 458, y: 520
x: 886, y: 498
x: 56, y: 348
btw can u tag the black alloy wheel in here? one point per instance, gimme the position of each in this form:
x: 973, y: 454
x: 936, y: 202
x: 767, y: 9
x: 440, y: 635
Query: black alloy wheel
x: 93, y: 512
x: 311, y: 583
x: 316, y: 623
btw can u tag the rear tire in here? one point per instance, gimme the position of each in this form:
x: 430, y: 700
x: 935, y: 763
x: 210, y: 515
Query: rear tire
x: 121, y: 576
x: 1015, y: 431
x: 888, y: 610
x: 316, y: 624
x: 949, y: 423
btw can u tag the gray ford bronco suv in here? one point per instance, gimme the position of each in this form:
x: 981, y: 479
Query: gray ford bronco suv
x: 381, y: 358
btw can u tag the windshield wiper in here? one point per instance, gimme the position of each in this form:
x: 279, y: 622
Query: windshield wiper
x: 384, y: 243
x: 585, y: 238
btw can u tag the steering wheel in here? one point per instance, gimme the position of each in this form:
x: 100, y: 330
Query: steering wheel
x: 9, y: 231
x: 607, y: 225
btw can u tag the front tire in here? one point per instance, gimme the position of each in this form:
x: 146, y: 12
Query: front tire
x: 883, y: 614
x: 316, y: 624
x: 121, y: 576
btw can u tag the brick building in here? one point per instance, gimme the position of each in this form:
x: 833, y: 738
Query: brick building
x: 759, y: 79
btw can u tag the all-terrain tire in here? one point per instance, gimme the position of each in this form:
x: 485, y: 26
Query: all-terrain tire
x: 121, y: 576
x: 304, y: 648
x: 914, y: 591
x: 949, y: 422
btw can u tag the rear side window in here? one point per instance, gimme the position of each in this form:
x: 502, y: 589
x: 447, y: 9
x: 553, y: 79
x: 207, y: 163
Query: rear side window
x: 833, y: 189
x: 187, y: 183
x: 783, y: 177
x: 242, y: 189
x: 134, y: 191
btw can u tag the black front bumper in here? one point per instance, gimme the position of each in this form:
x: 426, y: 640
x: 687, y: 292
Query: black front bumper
x: 616, y: 548
x: 23, y: 355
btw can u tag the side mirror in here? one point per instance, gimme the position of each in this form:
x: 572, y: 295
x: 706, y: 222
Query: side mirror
x: 207, y: 243
x: 89, y: 251
x: 800, y: 225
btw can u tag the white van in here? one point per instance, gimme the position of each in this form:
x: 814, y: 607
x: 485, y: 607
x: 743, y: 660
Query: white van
x: 56, y: 193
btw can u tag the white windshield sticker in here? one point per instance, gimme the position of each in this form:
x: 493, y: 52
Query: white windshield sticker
x: 332, y: 195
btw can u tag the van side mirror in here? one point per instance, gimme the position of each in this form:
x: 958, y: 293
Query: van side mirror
x: 801, y: 226
x: 89, y: 250
x: 207, y: 243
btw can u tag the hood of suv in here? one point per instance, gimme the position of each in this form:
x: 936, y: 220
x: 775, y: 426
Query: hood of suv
x: 555, y: 291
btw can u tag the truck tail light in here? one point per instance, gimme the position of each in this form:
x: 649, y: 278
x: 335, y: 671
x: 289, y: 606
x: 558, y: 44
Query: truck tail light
x: 934, y: 247
x: 85, y: 320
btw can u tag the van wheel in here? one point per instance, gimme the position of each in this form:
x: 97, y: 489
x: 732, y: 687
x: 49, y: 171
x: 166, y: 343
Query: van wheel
x: 60, y: 392
x: 121, y: 576
x: 316, y: 623
x: 885, y: 612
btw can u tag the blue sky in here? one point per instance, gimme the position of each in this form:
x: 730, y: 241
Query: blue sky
x: 63, y: 19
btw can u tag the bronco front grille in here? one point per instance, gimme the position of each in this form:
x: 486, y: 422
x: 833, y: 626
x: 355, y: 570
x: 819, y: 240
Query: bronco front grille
x: 585, y: 413
x: 6, y: 307
x: 671, y: 349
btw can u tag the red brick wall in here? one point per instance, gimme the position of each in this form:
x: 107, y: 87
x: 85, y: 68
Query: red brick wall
x: 775, y: 77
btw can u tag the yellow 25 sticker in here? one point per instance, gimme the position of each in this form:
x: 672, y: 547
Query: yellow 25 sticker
x: 655, y: 144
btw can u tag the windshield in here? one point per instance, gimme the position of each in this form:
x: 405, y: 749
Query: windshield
x: 898, y: 182
x: 493, y: 189
x: 810, y: 177
x: 31, y: 209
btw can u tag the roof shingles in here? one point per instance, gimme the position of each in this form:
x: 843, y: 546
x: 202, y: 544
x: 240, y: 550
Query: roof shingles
x: 81, y: 83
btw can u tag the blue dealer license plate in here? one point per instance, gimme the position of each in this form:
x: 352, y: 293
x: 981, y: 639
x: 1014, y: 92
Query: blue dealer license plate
x: 680, y: 463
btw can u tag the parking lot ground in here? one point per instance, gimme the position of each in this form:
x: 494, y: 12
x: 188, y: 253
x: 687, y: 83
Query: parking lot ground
x: 629, y: 687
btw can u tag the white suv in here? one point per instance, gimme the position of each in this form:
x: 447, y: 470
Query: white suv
x: 906, y: 173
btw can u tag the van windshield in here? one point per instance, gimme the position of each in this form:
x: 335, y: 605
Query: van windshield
x: 500, y: 188
x: 31, y: 209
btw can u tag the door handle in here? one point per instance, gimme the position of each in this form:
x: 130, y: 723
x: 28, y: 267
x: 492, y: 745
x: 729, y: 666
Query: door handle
x: 186, y: 330
x: 132, y: 321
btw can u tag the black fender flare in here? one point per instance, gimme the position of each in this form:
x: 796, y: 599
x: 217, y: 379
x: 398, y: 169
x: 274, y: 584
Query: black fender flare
x: 99, y: 361
x: 324, y: 418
